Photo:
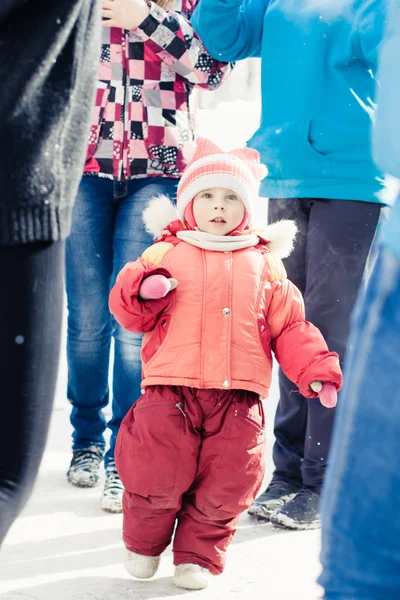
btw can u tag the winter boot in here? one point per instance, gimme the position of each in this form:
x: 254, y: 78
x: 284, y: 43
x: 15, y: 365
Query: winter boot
x: 192, y: 577
x: 111, y: 500
x: 300, y: 513
x: 140, y: 566
x: 85, y: 466
x: 277, y: 494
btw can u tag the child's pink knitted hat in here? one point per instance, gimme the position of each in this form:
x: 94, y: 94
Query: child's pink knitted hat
x: 239, y: 170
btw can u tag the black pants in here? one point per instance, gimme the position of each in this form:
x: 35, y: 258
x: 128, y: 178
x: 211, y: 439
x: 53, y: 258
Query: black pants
x: 327, y: 265
x: 31, y: 302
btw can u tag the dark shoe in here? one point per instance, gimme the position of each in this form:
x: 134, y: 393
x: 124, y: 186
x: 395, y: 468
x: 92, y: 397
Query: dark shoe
x: 300, y: 513
x: 85, y: 466
x: 277, y: 494
x: 111, y: 500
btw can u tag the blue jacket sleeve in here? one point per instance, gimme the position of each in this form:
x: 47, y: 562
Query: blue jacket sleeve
x: 230, y: 29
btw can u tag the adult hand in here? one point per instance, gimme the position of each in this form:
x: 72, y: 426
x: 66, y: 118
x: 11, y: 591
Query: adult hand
x: 126, y: 14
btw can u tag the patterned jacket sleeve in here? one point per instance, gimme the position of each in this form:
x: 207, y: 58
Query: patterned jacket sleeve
x: 298, y: 345
x: 128, y: 309
x: 170, y: 35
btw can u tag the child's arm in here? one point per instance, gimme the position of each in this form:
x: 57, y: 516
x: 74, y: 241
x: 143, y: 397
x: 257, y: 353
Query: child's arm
x: 127, y: 304
x: 231, y: 29
x: 298, y: 345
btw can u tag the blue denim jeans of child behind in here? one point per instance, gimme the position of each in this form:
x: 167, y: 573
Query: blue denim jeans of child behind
x: 107, y: 232
x: 360, y: 505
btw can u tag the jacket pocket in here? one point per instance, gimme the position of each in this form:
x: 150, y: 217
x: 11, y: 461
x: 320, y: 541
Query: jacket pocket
x: 242, y: 364
x: 289, y: 152
x: 155, y: 339
x: 252, y: 416
x: 265, y: 337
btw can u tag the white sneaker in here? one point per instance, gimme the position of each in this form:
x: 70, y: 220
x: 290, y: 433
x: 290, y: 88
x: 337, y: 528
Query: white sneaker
x: 192, y: 577
x: 111, y: 499
x: 140, y: 566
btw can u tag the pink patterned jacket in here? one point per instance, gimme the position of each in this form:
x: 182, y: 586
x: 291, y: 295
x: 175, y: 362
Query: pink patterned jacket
x: 143, y: 121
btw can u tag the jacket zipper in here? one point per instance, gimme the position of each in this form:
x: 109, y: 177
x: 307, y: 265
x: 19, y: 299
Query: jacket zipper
x: 179, y: 407
x: 124, y: 81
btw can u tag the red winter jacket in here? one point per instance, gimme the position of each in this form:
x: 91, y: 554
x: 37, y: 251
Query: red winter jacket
x: 218, y: 327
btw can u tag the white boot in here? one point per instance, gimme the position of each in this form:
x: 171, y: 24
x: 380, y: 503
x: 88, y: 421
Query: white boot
x: 140, y: 566
x: 192, y: 577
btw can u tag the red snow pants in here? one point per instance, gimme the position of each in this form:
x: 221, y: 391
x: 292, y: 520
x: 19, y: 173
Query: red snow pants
x: 194, y: 458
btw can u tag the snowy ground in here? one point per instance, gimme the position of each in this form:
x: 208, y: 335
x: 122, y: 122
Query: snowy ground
x: 64, y: 547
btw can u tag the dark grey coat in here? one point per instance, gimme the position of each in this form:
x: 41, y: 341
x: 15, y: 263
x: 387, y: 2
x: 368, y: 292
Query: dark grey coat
x: 49, y: 54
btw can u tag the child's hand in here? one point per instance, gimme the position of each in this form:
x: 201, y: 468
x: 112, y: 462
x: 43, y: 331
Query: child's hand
x: 156, y: 286
x: 327, y: 393
x: 126, y: 14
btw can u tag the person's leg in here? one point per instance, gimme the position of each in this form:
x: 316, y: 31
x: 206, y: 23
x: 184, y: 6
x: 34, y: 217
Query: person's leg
x: 130, y: 241
x: 291, y: 412
x: 30, y: 325
x: 360, y: 531
x: 88, y: 271
x: 230, y: 471
x: 156, y: 455
x: 340, y: 235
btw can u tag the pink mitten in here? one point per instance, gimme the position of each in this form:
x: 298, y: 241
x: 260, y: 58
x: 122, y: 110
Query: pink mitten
x: 328, y: 395
x: 156, y: 286
x: 326, y: 391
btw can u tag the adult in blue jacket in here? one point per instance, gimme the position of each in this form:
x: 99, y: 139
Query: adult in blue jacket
x: 360, y: 507
x: 318, y: 86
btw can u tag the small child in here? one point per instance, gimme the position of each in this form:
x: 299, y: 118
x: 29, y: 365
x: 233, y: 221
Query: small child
x: 212, y: 298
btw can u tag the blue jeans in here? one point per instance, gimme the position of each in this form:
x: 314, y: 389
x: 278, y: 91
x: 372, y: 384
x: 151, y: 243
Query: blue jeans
x: 361, y: 498
x: 107, y: 232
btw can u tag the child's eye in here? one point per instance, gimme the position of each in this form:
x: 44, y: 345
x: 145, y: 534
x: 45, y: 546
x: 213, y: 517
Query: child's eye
x: 232, y: 197
x: 207, y: 195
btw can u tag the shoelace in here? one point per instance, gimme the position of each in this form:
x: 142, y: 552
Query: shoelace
x: 86, y: 459
x: 277, y: 487
x: 113, y: 483
x: 304, y: 496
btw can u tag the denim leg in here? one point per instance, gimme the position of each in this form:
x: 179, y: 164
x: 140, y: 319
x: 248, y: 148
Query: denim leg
x: 88, y: 270
x: 360, y: 528
x: 130, y: 241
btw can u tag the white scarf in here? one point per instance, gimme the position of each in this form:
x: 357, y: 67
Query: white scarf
x: 219, y: 243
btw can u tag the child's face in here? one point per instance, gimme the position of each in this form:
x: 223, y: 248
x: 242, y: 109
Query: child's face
x: 218, y: 211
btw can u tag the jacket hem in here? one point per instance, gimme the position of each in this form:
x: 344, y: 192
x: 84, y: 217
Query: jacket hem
x: 112, y: 177
x: 329, y: 189
x: 236, y: 384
